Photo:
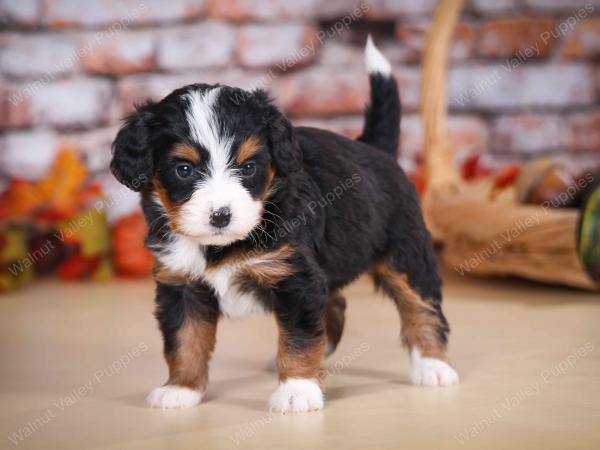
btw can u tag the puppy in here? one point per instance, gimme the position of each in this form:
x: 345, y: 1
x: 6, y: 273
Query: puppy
x: 248, y: 214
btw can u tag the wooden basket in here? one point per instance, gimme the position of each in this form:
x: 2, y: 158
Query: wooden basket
x: 481, y: 236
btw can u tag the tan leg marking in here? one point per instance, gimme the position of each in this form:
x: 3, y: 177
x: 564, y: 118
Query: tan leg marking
x: 420, y: 321
x: 188, y: 363
x: 305, y: 363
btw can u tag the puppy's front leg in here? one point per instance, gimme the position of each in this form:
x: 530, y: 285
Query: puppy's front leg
x: 187, y: 316
x: 301, y: 349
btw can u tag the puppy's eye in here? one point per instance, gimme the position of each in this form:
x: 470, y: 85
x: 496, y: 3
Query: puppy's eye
x: 184, y: 170
x: 248, y: 169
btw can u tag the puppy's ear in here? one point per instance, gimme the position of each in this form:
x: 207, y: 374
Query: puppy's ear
x: 285, y: 151
x: 132, y: 163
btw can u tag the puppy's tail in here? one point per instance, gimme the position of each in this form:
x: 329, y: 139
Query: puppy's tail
x: 382, y: 116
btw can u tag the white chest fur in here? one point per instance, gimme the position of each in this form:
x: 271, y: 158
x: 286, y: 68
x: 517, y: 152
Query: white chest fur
x: 185, y: 256
x: 233, y: 302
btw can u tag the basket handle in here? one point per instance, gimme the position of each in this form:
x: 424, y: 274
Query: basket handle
x: 440, y: 171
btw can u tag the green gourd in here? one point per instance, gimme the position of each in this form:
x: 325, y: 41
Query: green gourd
x: 588, y: 242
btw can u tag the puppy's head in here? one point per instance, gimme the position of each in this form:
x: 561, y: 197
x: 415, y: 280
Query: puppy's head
x: 210, y: 155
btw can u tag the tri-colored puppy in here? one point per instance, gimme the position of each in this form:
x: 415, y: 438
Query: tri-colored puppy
x: 249, y: 214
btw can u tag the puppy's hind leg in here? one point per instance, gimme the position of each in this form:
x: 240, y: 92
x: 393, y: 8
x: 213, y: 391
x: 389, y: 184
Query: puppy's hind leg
x: 335, y: 318
x: 417, y: 296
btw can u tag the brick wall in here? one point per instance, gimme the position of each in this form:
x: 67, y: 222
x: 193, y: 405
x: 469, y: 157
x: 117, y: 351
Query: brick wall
x: 524, y: 78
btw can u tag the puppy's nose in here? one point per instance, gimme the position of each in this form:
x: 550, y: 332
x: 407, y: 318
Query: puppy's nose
x: 221, y: 217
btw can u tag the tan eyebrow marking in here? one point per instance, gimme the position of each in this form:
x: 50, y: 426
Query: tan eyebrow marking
x: 247, y: 149
x: 187, y: 152
x: 270, y: 176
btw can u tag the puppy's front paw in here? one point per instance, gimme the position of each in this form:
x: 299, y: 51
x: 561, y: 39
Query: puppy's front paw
x: 297, y: 395
x: 431, y: 371
x: 171, y: 396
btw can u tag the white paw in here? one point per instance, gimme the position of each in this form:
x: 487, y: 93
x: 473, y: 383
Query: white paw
x: 431, y: 371
x: 171, y: 396
x: 297, y: 395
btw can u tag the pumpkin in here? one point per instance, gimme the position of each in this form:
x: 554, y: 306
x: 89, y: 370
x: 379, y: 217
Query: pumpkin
x: 130, y: 257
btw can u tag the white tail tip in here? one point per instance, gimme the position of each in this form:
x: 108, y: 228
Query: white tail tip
x: 375, y: 61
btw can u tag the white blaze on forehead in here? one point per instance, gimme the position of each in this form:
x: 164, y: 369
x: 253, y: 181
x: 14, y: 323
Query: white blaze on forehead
x: 205, y: 128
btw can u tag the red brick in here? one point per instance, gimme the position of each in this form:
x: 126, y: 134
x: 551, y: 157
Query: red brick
x: 412, y: 36
x: 583, y: 41
x: 467, y: 135
x: 119, y: 14
x: 137, y: 89
x: 325, y: 91
x: 581, y: 163
x: 583, y: 131
x: 93, y: 146
x: 386, y: 9
x: 4, y: 104
x: 500, y: 87
x: 159, y: 11
x: 570, y: 6
x: 28, y: 154
x: 494, y: 6
x: 336, y: 53
x: 43, y: 56
x: 283, y: 46
x: 526, y: 133
x: 597, y: 81
x: 247, y: 10
x: 409, y: 82
x: 22, y: 13
x: 411, y: 137
x: 319, y: 92
x: 188, y: 47
x: 507, y: 37
x: 394, y: 51
x: 123, y: 53
x: 14, y: 107
x: 73, y: 103
x: 120, y: 201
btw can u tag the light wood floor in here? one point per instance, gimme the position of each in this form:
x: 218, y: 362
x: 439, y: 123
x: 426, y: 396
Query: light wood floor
x: 79, y: 359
